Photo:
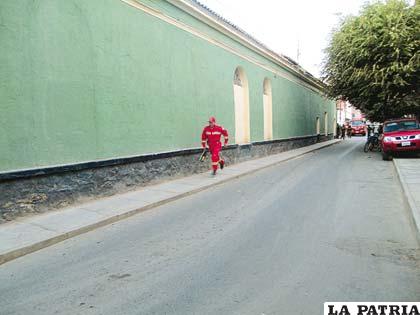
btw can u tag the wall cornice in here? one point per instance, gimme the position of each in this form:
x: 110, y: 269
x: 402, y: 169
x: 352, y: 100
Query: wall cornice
x: 291, y: 74
x: 238, y: 36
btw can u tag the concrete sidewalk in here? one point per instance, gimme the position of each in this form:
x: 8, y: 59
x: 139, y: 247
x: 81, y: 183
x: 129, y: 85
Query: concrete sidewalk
x: 409, y: 174
x: 29, y: 234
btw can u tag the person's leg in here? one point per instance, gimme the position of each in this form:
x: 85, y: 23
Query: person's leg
x: 221, y: 160
x: 222, y: 163
x: 215, y: 158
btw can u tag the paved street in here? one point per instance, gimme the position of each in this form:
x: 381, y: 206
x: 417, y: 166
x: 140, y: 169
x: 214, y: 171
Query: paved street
x: 329, y: 226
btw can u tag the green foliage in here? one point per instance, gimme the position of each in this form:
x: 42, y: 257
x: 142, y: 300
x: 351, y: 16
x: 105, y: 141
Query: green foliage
x: 373, y: 60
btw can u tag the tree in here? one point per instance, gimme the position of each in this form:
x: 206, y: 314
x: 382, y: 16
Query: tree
x: 373, y: 60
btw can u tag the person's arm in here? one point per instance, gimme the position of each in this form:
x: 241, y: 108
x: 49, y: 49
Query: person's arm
x: 204, y: 138
x: 225, y: 135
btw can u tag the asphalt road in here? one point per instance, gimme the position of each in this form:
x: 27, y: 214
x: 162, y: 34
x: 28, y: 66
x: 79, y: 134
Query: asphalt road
x: 329, y: 226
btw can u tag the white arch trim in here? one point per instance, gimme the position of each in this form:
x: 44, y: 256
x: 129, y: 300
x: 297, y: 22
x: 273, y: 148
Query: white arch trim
x: 318, y: 126
x: 241, y: 98
x: 326, y: 123
x: 268, y: 109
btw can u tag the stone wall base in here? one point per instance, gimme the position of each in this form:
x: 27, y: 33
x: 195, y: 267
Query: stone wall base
x: 37, y: 191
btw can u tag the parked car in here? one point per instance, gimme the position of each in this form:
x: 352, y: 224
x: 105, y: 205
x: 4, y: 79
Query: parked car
x: 400, y: 135
x: 358, y: 127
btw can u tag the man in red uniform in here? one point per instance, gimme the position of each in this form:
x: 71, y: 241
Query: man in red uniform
x: 211, y: 136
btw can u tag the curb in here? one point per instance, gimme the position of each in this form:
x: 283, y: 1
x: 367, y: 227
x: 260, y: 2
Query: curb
x: 16, y: 253
x: 414, y: 210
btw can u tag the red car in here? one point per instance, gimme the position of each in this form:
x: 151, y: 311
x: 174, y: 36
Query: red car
x: 358, y: 127
x: 400, y: 135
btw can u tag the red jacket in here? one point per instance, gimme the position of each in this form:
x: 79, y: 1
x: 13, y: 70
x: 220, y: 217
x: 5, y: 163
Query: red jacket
x: 212, y: 136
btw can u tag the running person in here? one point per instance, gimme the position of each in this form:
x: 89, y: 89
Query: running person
x: 211, y: 137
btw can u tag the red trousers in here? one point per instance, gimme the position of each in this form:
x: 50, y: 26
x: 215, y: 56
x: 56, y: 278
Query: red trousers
x: 215, y: 155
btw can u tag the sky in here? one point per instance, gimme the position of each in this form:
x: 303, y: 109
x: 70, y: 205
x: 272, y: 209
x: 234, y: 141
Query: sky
x: 285, y: 25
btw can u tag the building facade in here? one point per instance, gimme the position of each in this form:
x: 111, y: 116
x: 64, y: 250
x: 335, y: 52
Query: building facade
x: 111, y: 80
x: 347, y: 112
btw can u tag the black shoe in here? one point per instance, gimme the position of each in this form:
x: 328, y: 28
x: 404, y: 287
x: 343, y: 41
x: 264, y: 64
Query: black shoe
x: 214, y: 172
x: 222, y: 164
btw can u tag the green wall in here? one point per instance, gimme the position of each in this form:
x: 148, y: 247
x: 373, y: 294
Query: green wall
x: 86, y: 80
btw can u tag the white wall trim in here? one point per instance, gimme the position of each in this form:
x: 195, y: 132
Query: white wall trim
x: 186, y: 6
x: 160, y: 15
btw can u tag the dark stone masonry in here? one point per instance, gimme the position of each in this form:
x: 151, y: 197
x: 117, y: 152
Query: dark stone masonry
x: 36, y: 191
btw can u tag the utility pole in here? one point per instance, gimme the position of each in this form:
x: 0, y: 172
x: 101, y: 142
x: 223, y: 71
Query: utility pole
x: 298, y: 50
